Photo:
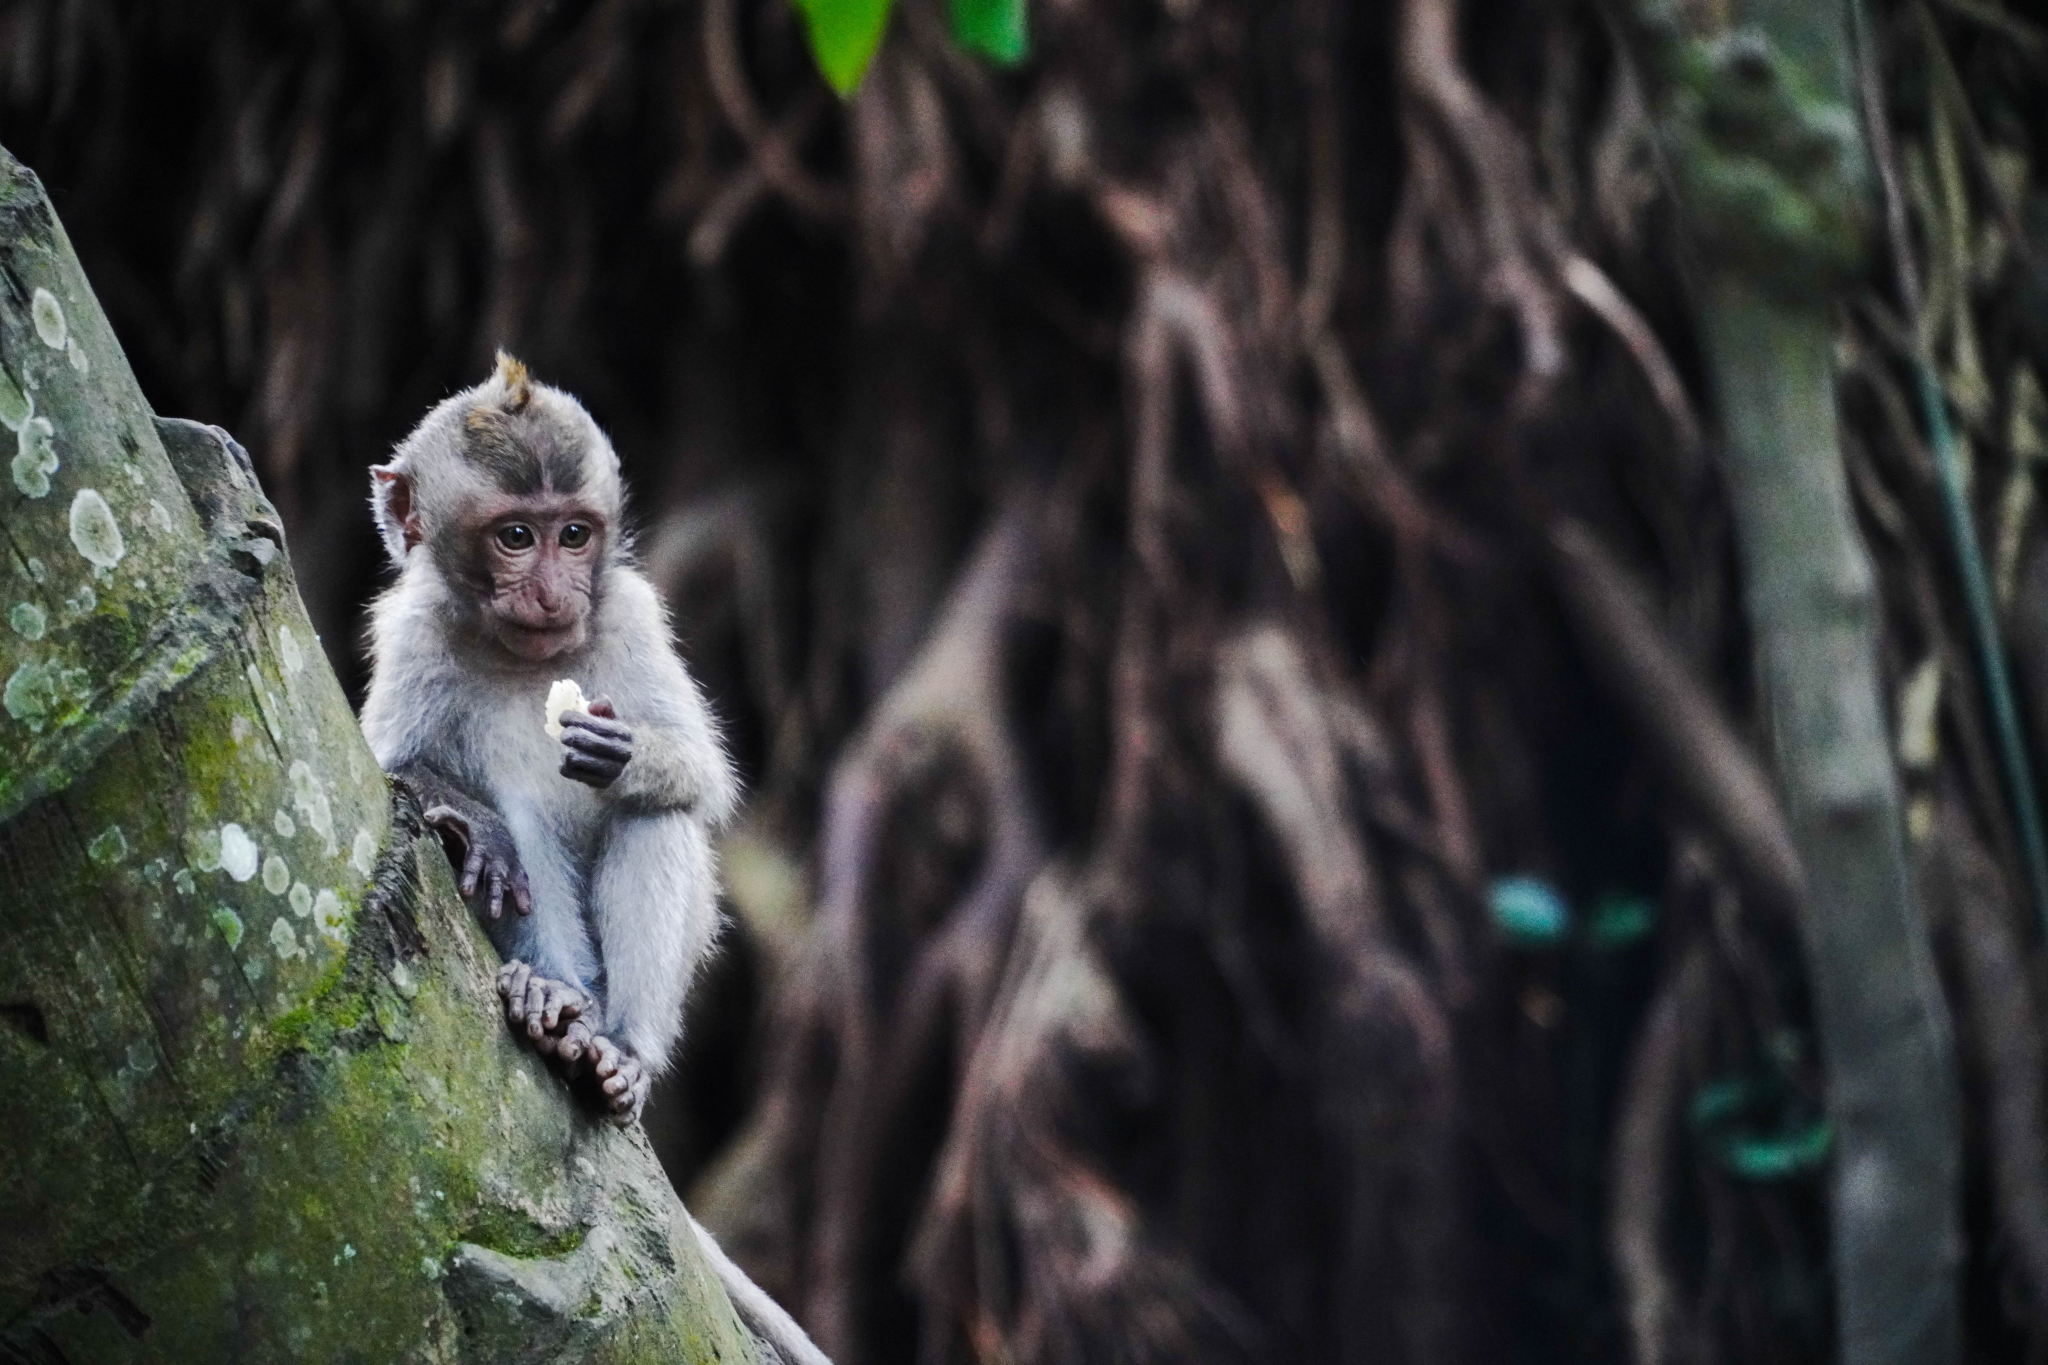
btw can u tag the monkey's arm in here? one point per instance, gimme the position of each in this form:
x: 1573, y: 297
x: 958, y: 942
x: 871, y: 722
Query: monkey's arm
x: 671, y: 757
x: 488, y: 859
x: 646, y: 769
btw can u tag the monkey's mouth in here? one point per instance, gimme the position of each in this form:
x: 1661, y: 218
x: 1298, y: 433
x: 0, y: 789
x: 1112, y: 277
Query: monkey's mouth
x: 538, y: 643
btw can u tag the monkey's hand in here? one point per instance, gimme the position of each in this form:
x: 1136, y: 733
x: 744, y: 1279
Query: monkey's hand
x: 489, y: 859
x: 550, y: 1013
x: 596, y: 744
x: 622, y: 1078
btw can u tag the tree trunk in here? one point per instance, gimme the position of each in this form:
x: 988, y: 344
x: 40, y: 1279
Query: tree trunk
x: 1770, y: 177
x: 259, y: 1102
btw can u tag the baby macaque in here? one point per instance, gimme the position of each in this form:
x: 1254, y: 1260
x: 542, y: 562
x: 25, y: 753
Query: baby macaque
x: 502, y: 511
x: 591, y: 822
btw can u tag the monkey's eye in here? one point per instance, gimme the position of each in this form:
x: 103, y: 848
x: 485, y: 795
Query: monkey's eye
x: 575, y: 536
x: 517, y: 536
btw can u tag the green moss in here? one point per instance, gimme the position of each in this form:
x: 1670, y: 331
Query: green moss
x: 513, y: 1233
x: 1769, y: 165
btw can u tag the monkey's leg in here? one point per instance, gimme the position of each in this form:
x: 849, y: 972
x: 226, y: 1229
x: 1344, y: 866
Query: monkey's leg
x: 654, y: 901
x: 550, y: 962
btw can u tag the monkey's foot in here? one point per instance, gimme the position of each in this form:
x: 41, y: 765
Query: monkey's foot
x: 549, y: 1012
x: 622, y: 1078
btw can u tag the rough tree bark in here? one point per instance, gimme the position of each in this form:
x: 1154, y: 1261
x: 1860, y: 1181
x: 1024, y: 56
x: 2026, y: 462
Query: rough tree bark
x: 259, y: 1107
x: 1770, y: 176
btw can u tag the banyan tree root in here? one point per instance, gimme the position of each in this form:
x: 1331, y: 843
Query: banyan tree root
x: 2001, y: 1033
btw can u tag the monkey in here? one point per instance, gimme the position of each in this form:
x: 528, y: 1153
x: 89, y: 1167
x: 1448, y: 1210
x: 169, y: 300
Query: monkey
x: 503, y: 514
x: 589, y: 859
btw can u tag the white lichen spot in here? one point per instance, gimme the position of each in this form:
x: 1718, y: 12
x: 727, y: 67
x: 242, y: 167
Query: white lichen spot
x: 253, y: 967
x: 402, y: 982
x: 15, y: 407
x: 288, y: 650
x: 159, y: 515
x: 184, y: 881
x: 285, y: 826
x: 239, y: 730
x: 35, y: 456
x: 229, y: 924
x: 238, y: 852
x: 330, y: 915
x: 302, y: 900
x: 45, y: 692
x: 84, y: 602
x: 430, y: 1267
x: 362, y: 854
x: 75, y: 353
x: 49, y: 319
x: 209, y: 988
x: 311, y: 804
x: 153, y: 870
x: 284, y: 939
x: 36, y: 569
x: 136, y: 477
x: 94, y: 531
x: 277, y: 875
x: 110, y: 847
x: 29, y: 620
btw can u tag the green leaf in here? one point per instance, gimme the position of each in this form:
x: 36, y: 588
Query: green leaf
x: 1528, y: 911
x: 845, y: 34
x: 1620, y: 920
x: 995, y: 28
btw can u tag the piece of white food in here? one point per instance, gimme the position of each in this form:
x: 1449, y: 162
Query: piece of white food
x: 563, y: 697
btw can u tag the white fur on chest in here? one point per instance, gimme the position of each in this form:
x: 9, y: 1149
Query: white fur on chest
x: 517, y: 767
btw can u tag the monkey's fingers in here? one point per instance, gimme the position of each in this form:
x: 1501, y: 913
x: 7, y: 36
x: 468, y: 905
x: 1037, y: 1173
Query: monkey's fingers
x: 601, y: 705
x: 536, y: 1004
x: 591, y: 772
x: 496, y: 905
x: 596, y: 744
x: 522, y: 892
x: 574, y: 1046
x: 563, y: 1002
x: 605, y: 1057
x: 512, y: 984
x: 596, y: 728
x: 472, y: 869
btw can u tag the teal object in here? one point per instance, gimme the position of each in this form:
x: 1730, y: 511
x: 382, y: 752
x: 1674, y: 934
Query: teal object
x: 1528, y: 911
x: 1984, y: 632
x: 1621, y: 921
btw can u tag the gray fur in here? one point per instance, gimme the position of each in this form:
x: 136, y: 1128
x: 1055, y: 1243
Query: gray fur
x: 632, y: 865
x: 624, y: 880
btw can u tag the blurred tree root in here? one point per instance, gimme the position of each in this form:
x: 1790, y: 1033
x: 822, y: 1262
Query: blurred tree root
x: 1173, y: 529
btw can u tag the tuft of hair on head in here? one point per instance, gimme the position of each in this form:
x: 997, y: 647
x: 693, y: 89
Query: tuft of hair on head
x: 518, y: 384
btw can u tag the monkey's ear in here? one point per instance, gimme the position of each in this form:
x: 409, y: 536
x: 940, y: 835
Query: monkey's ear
x: 398, y: 521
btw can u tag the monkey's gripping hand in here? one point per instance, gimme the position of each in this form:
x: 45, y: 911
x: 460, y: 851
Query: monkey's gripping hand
x: 557, y: 1019
x: 596, y: 744
x: 489, y: 860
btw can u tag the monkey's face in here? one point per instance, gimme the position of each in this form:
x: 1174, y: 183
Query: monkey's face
x: 540, y: 554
